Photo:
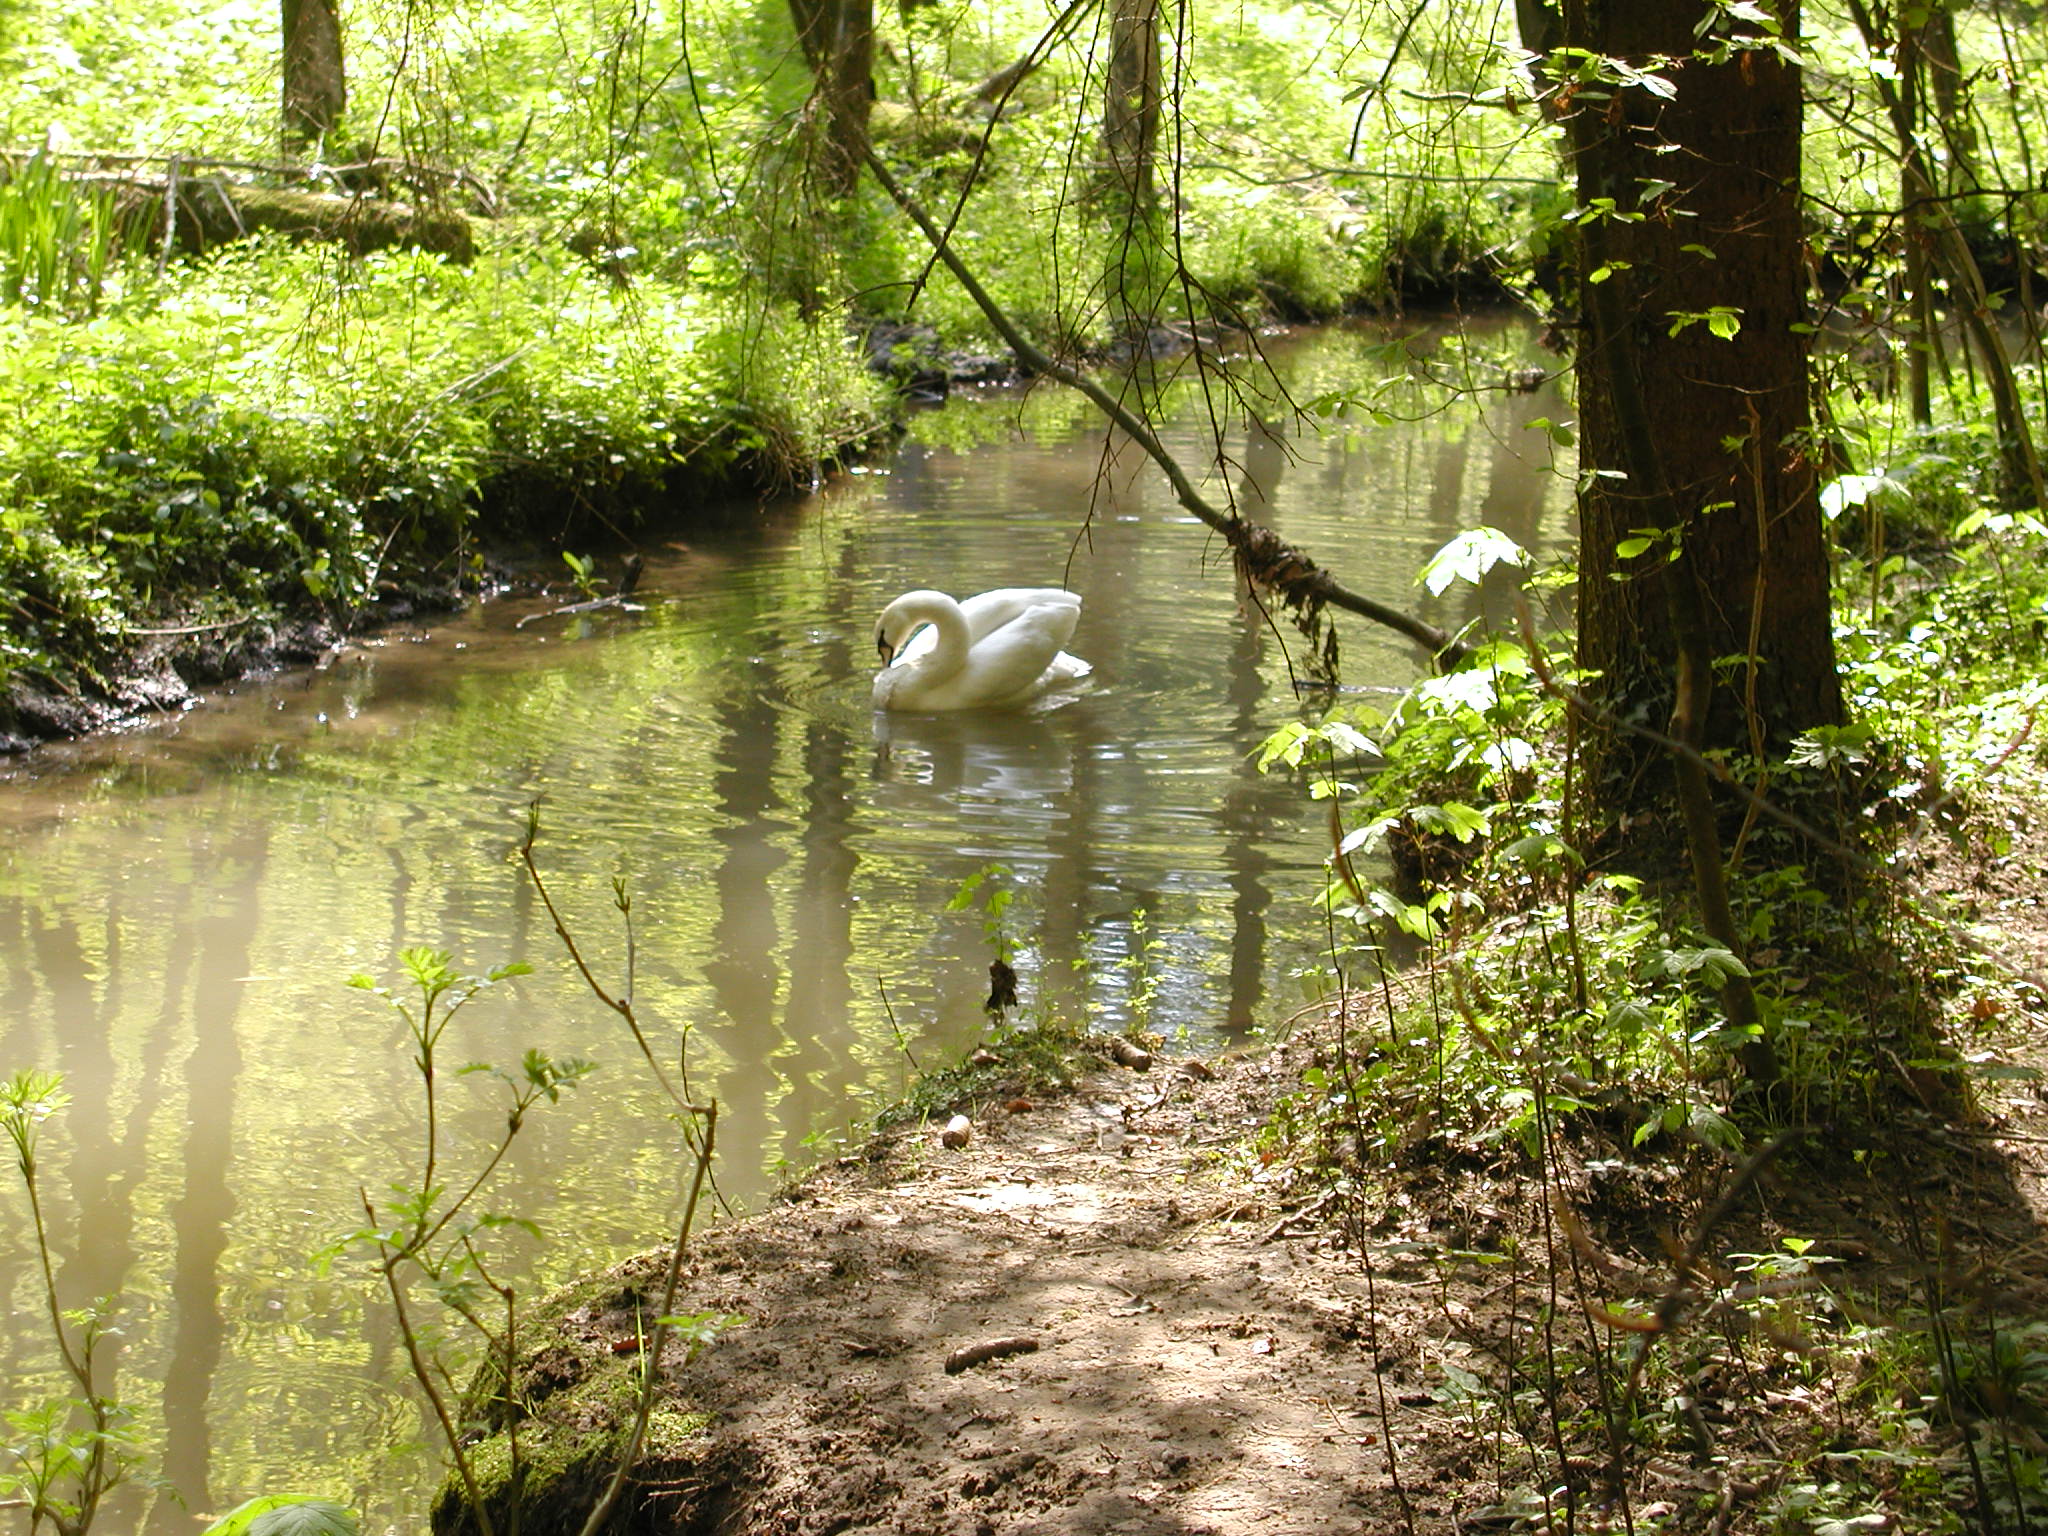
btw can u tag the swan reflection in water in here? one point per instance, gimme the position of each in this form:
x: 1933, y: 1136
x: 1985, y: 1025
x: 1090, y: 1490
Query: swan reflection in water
x: 951, y: 762
x: 996, y: 650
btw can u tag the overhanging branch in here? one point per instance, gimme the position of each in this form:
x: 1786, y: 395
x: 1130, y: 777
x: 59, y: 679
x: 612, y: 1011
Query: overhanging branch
x: 1267, y: 560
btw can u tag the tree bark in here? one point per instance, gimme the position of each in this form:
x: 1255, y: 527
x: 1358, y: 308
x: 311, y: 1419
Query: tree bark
x: 1689, y: 200
x: 1131, y: 102
x: 315, y: 88
x: 838, y: 42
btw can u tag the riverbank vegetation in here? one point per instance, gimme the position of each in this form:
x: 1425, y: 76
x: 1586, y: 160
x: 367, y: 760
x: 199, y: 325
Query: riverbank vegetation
x: 1636, y: 902
x: 226, y: 415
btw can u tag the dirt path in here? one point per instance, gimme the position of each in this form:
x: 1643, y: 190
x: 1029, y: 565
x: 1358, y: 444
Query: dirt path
x: 1177, y: 1345
x: 1182, y: 1375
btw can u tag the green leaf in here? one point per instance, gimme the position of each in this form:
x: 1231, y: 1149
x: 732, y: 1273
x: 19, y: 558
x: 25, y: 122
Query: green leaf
x: 1459, y: 821
x: 1470, y: 556
x: 286, y: 1514
x: 1722, y: 320
x: 2000, y: 1073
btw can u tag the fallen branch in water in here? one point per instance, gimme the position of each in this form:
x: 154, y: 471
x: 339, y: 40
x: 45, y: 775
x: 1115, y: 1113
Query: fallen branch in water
x: 1268, y: 561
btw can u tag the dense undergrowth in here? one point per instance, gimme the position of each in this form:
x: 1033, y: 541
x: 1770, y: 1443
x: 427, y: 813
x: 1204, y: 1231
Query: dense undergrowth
x: 1515, y: 1006
x: 280, y: 432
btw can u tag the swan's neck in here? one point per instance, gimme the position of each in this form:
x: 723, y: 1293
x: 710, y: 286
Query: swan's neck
x: 949, y: 645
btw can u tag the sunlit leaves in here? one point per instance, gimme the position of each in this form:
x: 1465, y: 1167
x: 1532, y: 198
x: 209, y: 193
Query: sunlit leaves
x: 1846, y: 491
x: 27, y: 1099
x: 286, y: 1514
x: 1469, y: 556
x: 1721, y: 320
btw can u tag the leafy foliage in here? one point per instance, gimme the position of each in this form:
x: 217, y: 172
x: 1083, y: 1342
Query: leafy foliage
x: 286, y: 1514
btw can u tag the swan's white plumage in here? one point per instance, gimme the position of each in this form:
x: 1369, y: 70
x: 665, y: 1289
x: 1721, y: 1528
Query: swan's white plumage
x: 994, y: 651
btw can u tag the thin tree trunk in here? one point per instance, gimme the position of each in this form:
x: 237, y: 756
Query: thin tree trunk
x: 1930, y: 216
x: 838, y: 42
x: 315, y: 88
x: 1131, y: 103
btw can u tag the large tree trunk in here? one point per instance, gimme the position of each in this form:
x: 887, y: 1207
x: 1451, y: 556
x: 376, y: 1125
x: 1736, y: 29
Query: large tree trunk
x: 315, y: 90
x: 1691, y: 224
x: 838, y: 40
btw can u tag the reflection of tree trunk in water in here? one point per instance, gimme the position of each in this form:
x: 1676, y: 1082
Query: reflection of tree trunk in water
x: 115, y: 1255
x: 20, y: 1041
x: 205, y: 1207
x: 1518, y: 474
x: 742, y: 970
x: 98, y: 1172
x: 1246, y: 826
x: 1444, y: 522
x: 93, y: 1260
x: 1122, y: 489
x: 400, y: 887
x: 1264, y: 463
x: 1243, y: 817
x: 820, y: 983
x: 84, y: 1057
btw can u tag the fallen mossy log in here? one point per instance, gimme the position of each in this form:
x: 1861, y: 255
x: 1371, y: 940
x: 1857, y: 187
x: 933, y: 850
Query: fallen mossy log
x: 208, y: 212
x: 194, y: 204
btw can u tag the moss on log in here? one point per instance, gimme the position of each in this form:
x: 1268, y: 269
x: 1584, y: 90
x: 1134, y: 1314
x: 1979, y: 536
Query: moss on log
x: 212, y: 211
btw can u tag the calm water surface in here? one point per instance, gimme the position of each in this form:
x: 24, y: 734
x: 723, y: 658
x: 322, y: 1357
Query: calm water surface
x: 181, y: 907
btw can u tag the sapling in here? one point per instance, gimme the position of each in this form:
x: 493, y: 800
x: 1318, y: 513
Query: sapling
x: 429, y: 1235
x: 68, y: 1452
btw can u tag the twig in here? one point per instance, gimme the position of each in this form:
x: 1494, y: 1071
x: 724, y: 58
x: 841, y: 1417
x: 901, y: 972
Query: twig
x: 622, y: 1006
x: 994, y: 1349
x: 1671, y: 1306
x: 614, y: 601
x: 650, y: 1364
x: 193, y: 629
x: 1309, y: 1212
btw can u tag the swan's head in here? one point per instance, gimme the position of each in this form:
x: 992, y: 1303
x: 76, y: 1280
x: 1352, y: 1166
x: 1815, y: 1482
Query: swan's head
x: 902, y: 619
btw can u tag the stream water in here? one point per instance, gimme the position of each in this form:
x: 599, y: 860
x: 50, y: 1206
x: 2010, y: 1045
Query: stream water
x: 181, y: 905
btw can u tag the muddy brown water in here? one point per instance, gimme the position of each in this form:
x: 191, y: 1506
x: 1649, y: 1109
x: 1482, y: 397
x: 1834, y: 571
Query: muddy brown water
x: 182, y: 904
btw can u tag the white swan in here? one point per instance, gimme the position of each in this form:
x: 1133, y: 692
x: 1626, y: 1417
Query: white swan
x: 996, y: 650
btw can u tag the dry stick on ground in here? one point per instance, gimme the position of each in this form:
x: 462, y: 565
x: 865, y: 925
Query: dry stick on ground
x: 1677, y: 1301
x: 1268, y: 560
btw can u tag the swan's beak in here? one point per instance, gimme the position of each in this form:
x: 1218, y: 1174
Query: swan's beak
x: 884, y: 648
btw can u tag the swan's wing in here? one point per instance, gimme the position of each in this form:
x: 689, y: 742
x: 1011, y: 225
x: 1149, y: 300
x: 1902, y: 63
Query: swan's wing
x: 1066, y: 669
x: 987, y: 612
x: 1011, y: 662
